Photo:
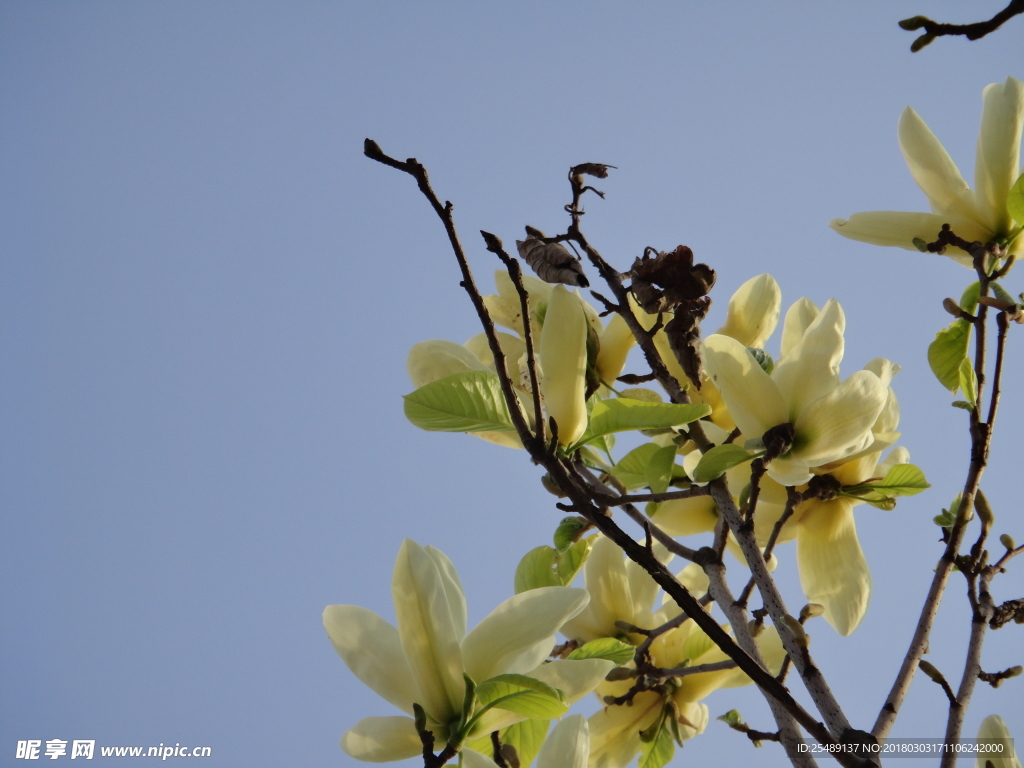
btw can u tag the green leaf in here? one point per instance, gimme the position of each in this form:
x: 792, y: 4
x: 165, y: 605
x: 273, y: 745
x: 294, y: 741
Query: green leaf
x: 696, y: 645
x: 527, y: 738
x: 594, y: 460
x: 547, y: 567
x: 947, y: 352
x: 643, y: 394
x: 537, y: 569
x: 659, y: 749
x: 969, y: 298
x: 888, y: 503
x: 659, y: 469
x: 622, y: 414
x: 715, y: 462
x: 631, y: 469
x: 900, y: 480
x: 568, y: 563
x: 732, y: 717
x: 969, y: 382
x: 948, y: 516
x: 1015, y: 200
x: 568, y: 531
x: 763, y: 359
x: 606, y: 648
x: 463, y: 402
x: 523, y: 695
x: 962, y: 404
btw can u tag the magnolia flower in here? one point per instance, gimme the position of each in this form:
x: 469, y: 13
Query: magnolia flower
x: 425, y: 660
x: 567, y: 746
x: 978, y: 214
x: 994, y: 733
x: 615, y: 731
x: 830, y: 420
x: 620, y: 590
x: 751, y: 318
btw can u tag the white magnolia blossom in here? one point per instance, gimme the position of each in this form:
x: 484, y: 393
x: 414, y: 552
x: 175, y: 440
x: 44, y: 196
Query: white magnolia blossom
x: 423, y: 661
x: 832, y: 419
x: 978, y: 214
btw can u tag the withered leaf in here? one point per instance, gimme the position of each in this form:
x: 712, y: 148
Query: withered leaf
x: 552, y: 262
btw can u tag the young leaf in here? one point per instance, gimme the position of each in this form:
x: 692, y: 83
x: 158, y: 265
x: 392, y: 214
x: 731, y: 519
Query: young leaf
x: 568, y: 563
x: 659, y: 470
x: 568, y: 530
x: 523, y: 695
x: 715, y: 462
x: 763, y: 359
x: 969, y: 298
x: 900, y: 480
x: 696, y: 645
x: 1015, y: 200
x: 526, y: 738
x: 962, y: 404
x: 947, y: 352
x: 537, y: 569
x: 463, y: 402
x: 631, y: 469
x: 622, y: 414
x: 657, y: 751
x: 968, y: 382
x: 1002, y: 294
x: 642, y: 393
x: 606, y: 648
x: 732, y: 717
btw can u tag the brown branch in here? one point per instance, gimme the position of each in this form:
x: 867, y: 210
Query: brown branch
x: 975, y: 31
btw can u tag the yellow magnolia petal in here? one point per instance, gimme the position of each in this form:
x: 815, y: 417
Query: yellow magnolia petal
x: 933, y: 169
x: 900, y: 229
x: 563, y: 359
x: 616, y: 341
x: 382, y: 740
x: 504, y: 439
x: 753, y: 399
x: 520, y: 633
x: 452, y: 588
x: 753, y: 311
x: 642, y: 588
x: 696, y: 687
x: 789, y: 470
x: 686, y: 517
x: 833, y: 571
x: 811, y: 369
x: 998, y: 157
x: 615, y: 731
x: 372, y: 649
x: 473, y: 759
x: 839, y: 424
x: 429, y: 636
x: 432, y: 360
x: 567, y: 746
x: 798, y: 317
x: 607, y: 582
x: 511, y: 346
x: 896, y: 456
x: 993, y: 731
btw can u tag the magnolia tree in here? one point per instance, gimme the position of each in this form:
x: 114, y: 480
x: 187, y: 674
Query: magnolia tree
x: 716, y: 449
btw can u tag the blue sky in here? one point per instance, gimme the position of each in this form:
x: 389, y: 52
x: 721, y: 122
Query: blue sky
x: 208, y: 294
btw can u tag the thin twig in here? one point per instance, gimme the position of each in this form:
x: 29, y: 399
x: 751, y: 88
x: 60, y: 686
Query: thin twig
x: 975, y: 31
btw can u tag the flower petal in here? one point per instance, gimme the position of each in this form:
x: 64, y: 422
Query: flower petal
x: 753, y: 311
x: 615, y: 731
x: 520, y: 633
x: 753, y: 399
x: 933, y: 169
x: 798, y: 318
x: 811, y: 369
x: 642, y: 588
x: 608, y: 584
x: 511, y: 346
x: 452, y: 588
x: 382, y: 740
x: 696, y: 687
x: 998, y: 157
x: 567, y: 746
x: 833, y: 571
x: 994, y: 731
x: 372, y: 649
x: 429, y: 635
x: 616, y: 341
x: 431, y: 360
x: 686, y: 517
x: 900, y: 229
x: 789, y: 470
x: 839, y: 424
x: 473, y: 759
x: 563, y: 360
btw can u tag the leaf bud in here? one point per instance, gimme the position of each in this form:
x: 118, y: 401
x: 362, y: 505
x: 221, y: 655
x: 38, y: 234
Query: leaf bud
x: 914, y: 22
x: 1007, y: 541
x: 810, y: 611
x: 985, y: 513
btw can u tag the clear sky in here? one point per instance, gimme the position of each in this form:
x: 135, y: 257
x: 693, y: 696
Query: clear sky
x: 208, y: 294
